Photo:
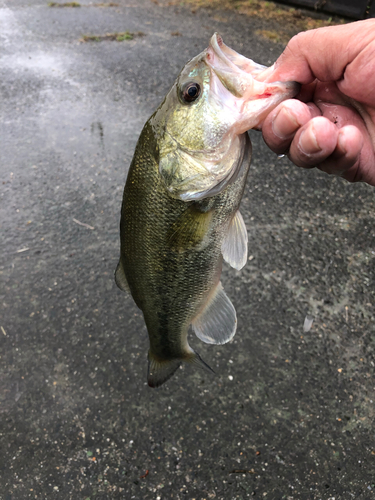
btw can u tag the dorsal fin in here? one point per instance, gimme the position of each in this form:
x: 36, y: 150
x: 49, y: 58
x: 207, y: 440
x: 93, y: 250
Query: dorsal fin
x: 120, y: 278
x: 217, y: 323
x: 234, y: 246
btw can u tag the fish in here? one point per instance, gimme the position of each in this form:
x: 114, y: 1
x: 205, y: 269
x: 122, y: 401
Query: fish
x: 180, y: 213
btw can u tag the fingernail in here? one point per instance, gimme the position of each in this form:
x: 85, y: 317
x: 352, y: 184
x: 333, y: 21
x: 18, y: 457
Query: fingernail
x: 341, y: 143
x: 308, y: 142
x: 284, y: 124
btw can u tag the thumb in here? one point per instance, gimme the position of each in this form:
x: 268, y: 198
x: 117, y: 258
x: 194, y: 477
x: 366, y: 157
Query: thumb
x: 327, y: 54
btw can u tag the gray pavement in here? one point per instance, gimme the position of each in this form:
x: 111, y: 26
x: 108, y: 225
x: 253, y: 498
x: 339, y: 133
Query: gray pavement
x: 290, y: 414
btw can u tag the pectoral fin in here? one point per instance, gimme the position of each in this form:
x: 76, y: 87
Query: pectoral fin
x: 120, y: 278
x: 234, y: 246
x: 217, y: 323
x: 189, y: 230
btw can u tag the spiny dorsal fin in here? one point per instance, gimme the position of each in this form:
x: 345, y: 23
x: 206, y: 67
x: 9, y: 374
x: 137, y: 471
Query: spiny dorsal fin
x: 217, y: 323
x: 234, y: 246
x: 189, y: 230
x: 120, y: 278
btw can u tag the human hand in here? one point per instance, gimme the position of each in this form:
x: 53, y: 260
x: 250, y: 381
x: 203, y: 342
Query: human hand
x: 331, y: 124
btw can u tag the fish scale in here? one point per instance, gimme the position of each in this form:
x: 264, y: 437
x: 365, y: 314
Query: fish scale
x: 180, y: 213
x: 150, y: 266
x: 168, y: 286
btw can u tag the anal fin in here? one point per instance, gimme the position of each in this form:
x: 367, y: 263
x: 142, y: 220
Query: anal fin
x: 159, y: 371
x: 120, y: 278
x: 196, y: 360
x: 234, y: 246
x: 217, y: 323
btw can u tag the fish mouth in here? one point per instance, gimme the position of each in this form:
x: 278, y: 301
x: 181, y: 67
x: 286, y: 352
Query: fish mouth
x: 224, y: 56
x: 244, y: 80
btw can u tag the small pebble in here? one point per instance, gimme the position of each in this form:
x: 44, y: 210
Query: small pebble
x: 308, y: 323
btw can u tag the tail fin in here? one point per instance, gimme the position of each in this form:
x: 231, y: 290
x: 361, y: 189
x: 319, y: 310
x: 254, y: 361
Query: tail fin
x: 160, y: 371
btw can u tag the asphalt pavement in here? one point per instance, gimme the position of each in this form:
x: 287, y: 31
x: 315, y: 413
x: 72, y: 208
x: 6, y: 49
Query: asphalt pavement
x: 290, y: 413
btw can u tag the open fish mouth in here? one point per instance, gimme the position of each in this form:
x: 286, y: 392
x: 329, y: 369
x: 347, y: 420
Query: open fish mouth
x: 243, y: 77
x: 238, y: 83
x: 232, y: 59
x: 228, y: 98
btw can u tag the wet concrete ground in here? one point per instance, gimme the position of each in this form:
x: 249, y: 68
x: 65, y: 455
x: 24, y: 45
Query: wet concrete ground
x: 290, y: 414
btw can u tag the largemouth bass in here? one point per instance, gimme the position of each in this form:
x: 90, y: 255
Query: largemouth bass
x: 180, y: 215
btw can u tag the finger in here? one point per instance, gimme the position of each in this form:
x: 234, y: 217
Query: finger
x: 283, y: 122
x: 314, y: 142
x: 306, y: 56
x: 353, y: 158
x: 344, y: 161
x: 359, y: 76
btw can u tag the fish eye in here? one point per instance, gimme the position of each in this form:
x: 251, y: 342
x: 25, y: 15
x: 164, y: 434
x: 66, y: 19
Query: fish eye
x: 190, y: 92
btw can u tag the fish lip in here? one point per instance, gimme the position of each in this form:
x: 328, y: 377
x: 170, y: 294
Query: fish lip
x: 243, y: 66
x: 226, y: 55
x: 215, y: 49
x: 295, y: 88
x: 219, y: 58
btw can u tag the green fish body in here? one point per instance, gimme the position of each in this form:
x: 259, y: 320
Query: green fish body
x: 180, y: 214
